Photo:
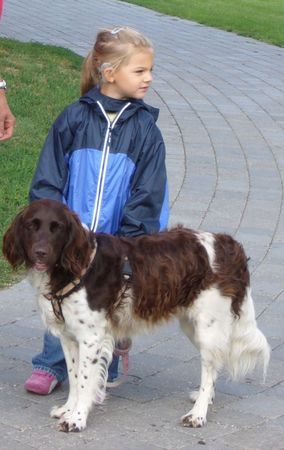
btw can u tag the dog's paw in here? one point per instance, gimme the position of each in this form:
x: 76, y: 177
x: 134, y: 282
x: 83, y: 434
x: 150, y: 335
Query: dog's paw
x: 73, y: 423
x: 193, y: 420
x: 67, y: 427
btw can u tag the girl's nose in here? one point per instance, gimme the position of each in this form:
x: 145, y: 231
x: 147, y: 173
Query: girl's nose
x: 148, y: 77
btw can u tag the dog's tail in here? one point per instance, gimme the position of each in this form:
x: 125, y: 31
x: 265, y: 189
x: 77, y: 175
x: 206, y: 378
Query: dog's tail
x: 249, y: 347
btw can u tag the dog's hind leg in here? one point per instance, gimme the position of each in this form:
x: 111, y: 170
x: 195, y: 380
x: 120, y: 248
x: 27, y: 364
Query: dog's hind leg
x: 189, y: 331
x: 71, y: 353
x: 196, y: 417
x: 208, y: 324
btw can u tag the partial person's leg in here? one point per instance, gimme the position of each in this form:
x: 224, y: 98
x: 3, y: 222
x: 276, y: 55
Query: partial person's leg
x: 113, y: 369
x: 49, y: 367
x: 121, y: 348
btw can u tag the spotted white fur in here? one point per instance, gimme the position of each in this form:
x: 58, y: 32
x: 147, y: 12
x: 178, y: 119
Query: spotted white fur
x: 88, y: 347
x: 223, y: 341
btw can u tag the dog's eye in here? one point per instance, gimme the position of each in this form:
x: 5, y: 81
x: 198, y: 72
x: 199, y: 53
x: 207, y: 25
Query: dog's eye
x: 56, y: 226
x: 33, y: 225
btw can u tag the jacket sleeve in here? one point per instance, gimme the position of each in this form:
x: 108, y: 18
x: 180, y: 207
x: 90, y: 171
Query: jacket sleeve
x: 51, y: 173
x: 147, y: 208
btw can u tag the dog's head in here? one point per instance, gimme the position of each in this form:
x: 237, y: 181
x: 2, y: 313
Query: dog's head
x: 47, y: 234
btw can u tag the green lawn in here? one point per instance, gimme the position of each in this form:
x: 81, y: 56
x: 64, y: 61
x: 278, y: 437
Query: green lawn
x: 43, y: 81
x: 260, y: 19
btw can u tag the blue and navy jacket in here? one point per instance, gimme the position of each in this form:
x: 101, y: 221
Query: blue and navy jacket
x: 112, y: 174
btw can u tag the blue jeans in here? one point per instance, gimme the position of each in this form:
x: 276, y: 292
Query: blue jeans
x: 52, y: 360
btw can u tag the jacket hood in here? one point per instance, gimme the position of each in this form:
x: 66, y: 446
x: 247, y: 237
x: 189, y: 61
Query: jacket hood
x: 115, y: 105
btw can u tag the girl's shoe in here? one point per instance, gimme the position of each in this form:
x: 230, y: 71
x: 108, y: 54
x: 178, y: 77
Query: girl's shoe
x: 41, y: 382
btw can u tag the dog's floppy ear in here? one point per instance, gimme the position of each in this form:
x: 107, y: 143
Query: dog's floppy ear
x: 12, y: 248
x: 77, y: 250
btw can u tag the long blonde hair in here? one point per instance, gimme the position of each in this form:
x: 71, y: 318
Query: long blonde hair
x: 113, y: 47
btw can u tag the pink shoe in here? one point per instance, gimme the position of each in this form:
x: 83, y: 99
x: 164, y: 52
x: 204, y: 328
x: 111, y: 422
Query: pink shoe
x: 41, y: 382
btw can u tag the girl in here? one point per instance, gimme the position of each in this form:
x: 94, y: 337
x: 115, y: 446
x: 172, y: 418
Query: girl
x: 105, y: 158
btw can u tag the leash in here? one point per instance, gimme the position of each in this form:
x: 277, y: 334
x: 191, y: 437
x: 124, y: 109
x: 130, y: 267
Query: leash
x: 122, y: 350
x: 123, y: 346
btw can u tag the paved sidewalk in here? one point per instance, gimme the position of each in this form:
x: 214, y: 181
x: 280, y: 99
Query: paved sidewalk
x: 222, y: 116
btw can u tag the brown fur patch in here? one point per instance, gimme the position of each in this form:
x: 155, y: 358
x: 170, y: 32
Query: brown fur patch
x: 170, y: 269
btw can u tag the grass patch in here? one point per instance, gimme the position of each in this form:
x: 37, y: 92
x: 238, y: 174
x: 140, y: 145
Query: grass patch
x: 259, y: 19
x: 42, y: 81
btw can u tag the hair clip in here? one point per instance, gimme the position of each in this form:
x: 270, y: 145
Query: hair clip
x: 103, y: 66
x: 116, y: 30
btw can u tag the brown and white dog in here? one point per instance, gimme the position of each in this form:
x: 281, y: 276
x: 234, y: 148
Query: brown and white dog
x: 84, y: 298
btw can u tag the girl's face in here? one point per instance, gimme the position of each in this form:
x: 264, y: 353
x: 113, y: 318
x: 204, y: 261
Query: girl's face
x: 130, y: 80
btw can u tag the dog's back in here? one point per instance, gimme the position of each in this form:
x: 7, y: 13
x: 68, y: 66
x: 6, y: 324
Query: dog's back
x: 170, y: 269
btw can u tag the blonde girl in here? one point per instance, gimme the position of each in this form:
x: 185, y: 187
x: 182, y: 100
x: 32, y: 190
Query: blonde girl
x: 104, y: 157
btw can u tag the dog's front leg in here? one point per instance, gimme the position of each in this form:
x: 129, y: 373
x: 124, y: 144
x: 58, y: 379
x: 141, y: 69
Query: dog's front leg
x: 90, y: 382
x: 71, y: 353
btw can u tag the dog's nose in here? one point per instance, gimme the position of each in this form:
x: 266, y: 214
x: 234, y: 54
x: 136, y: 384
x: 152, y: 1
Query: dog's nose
x: 40, y: 253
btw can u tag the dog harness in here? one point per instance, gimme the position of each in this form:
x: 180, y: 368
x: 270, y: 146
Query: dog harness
x: 57, y: 299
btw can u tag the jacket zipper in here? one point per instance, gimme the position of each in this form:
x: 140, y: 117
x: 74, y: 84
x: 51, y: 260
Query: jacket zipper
x: 103, y: 166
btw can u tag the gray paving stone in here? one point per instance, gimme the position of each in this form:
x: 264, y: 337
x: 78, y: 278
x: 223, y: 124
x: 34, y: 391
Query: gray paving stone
x: 261, y: 437
x: 221, y: 98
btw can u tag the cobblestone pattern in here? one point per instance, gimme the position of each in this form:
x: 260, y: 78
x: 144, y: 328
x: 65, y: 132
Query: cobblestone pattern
x: 222, y: 115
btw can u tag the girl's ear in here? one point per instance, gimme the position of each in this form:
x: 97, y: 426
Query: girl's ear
x: 108, y: 74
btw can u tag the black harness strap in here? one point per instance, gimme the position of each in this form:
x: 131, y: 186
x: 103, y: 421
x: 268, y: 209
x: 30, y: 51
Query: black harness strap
x: 57, y: 299
x: 126, y: 269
